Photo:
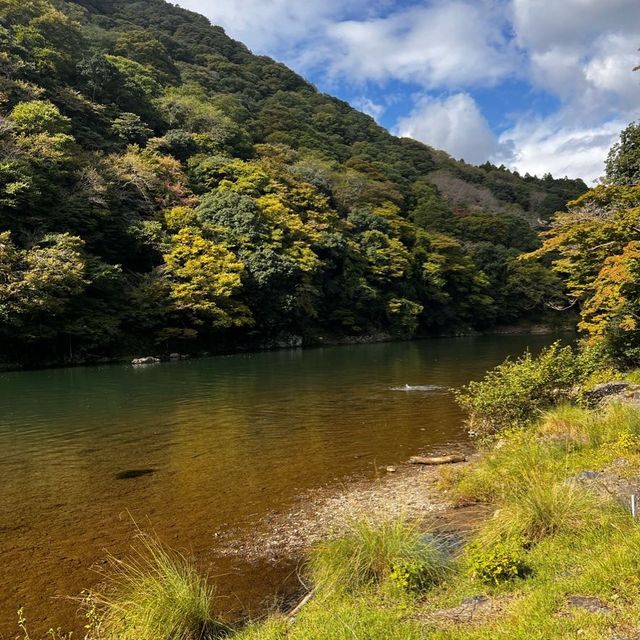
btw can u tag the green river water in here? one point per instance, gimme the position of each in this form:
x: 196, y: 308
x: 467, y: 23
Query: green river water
x: 192, y: 449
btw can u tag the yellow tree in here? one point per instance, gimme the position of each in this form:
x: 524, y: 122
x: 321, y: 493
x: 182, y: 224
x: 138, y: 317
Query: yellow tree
x: 204, y: 276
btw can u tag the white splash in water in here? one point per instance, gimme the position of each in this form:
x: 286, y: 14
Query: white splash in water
x: 419, y: 387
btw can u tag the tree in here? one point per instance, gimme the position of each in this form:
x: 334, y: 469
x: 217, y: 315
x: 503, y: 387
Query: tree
x: 37, y: 284
x: 38, y: 117
x: 204, y: 277
x: 623, y: 162
x: 131, y: 128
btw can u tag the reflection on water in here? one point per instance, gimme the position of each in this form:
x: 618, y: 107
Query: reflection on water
x: 191, y: 448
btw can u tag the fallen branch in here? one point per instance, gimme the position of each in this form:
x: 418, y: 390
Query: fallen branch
x: 292, y: 614
x: 456, y: 457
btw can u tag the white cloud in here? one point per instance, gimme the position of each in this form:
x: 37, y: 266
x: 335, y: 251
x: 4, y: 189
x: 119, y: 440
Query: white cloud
x: 550, y: 146
x: 542, y: 25
x: 582, y: 51
x: 609, y: 69
x: 440, y: 44
x: 579, y: 51
x: 368, y: 106
x: 455, y: 124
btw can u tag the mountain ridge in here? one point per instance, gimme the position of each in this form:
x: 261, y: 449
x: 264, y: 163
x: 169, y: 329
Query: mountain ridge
x: 198, y: 195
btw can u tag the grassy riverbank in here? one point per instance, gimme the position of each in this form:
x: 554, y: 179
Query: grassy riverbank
x: 556, y: 558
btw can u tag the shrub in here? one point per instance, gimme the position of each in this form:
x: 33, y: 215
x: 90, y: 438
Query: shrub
x: 157, y: 594
x: 515, y: 392
x: 500, y: 562
x: 414, y: 576
x: 371, y: 553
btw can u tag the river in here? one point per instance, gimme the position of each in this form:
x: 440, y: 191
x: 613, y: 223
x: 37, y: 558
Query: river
x: 191, y: 449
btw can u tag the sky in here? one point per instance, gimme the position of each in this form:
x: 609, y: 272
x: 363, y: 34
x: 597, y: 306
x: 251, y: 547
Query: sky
x: 538, y: 85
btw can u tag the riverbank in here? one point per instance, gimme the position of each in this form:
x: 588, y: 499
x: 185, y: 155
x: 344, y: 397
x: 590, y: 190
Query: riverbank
x: 532, y: 538
x: 404, y: 491
x: 279, y: 343
x: 553, y: 555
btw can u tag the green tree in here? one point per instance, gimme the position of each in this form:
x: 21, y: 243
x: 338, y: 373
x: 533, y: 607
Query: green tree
x: 37, y: 284
x: 38, y: 117
x: 623, y: 162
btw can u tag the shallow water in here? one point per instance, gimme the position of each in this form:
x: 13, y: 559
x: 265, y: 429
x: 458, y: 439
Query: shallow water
x: 191, y: 449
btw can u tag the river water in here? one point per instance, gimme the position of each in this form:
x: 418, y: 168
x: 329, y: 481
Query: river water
x: 192, y: 449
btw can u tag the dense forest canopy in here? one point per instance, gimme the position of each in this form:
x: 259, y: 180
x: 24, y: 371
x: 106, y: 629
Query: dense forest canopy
x: 163, y: 188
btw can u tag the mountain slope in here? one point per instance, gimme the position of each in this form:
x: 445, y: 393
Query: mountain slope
x: 163, y: 188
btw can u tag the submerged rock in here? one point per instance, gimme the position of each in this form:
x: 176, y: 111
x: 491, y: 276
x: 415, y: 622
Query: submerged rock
x: 134, y: 473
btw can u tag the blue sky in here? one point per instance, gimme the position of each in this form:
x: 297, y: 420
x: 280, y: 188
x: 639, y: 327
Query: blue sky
x: 539, y: 85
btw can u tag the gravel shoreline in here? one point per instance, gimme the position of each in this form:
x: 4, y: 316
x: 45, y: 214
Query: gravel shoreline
x: 409, y: 492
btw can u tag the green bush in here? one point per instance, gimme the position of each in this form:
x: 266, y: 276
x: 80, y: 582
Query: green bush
x: 514, y: 393
x: 414, y: 576
x: 499, y: 562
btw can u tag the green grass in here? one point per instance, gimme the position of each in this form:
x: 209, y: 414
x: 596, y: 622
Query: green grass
x: 155, y: 595
x: 541, y: 506
x: 570, y: 541
x: 364, y: 617
x: 370, y: 553
x: 632, y: 376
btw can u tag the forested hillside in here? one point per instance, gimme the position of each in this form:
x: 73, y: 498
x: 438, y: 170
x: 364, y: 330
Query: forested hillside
x: 164, y: 189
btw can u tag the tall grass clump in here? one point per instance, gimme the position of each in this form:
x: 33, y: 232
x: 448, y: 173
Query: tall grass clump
x: 543, y: 506
x: 369, y: 554
x: 609, y: 432
x: 155, y: 595
x: 501, y: 470
x: 566, y: 423
x: 516, y: 392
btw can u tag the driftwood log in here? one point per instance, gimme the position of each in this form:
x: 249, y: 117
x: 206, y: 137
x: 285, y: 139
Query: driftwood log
x: 455, y: 457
